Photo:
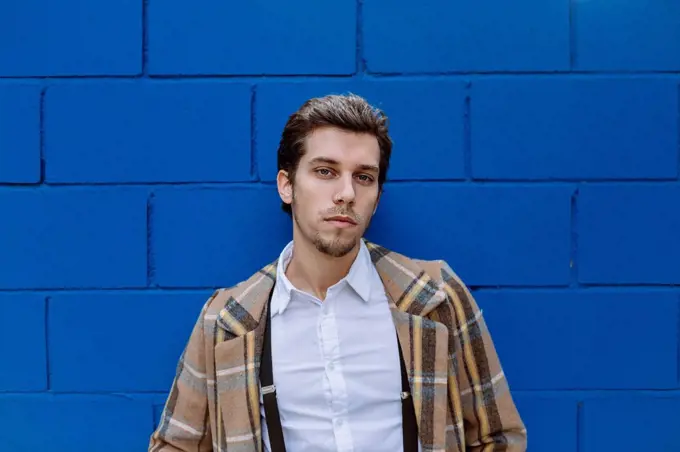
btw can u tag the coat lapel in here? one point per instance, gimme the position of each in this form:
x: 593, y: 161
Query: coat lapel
x: 412, y: 294
x: 237, y: 363
x: 424, y: 343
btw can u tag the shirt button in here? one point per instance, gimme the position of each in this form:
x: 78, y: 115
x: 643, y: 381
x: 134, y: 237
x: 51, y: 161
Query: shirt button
x: 330, y: 366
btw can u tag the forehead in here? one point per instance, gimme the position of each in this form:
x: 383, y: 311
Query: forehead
x: 343, y: 146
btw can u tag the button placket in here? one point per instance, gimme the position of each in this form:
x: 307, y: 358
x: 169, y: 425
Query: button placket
x: 329, y: 338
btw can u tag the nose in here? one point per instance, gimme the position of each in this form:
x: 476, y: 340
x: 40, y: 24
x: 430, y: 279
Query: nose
x: 346, y: 193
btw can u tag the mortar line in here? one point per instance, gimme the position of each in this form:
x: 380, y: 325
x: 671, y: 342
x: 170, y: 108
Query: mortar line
x: 573, y: 251
x: 150, y: 264
x: 41, y: 126
x: 254, y: 163
x: 145, y: 38
x: 572, y: 35
x: 48, y: 370
x: 467, y: 133
x: 359, y: 56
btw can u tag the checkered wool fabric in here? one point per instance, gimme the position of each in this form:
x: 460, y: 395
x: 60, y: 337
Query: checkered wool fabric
x: 461, y: 397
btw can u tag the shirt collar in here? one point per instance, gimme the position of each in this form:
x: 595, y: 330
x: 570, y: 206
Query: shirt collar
x: 283, y: 287
x: 358, y: 277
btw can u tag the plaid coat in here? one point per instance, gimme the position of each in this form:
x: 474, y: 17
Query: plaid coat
x: 461, y: 397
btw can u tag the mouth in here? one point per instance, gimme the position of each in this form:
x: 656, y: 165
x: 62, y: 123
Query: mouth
x: 341, y: 221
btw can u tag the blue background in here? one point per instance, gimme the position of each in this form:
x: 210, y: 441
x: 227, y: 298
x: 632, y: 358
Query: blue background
x: 536, y: 150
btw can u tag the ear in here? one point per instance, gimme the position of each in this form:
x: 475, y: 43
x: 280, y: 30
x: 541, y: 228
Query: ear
x: 285, y: 187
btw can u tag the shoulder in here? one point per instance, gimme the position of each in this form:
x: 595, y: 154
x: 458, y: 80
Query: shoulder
x: 438, y: 270
x: 458, y: 311
x: 447, y: 280
x: 446, y: 291
x: 242, y: 291
x: 461, y: 310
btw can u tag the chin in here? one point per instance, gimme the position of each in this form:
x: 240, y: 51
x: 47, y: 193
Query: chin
x: 335, y: 246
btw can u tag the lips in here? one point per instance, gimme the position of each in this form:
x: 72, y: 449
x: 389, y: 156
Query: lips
x: 342, y: 219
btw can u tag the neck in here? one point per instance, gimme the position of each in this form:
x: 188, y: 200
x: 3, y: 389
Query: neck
x: 314, y: 272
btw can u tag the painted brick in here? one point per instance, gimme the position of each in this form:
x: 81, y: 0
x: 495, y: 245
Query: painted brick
x: 22, y: 341
x: 551, y: 421
x: 117, y: 346
x: 19, y: 133
x: 216, y: 237
x: 583, y: 340
x: 294, y: 37
x: 70, y: 37
x: 490, y: 235
x: 148, y: 132
x: 628, y: 234
x: 631, y: 422
x: 581, y: 362
x: 404, y: 36
x: 635, y: 35
x: 75, y: 423
x: 72, y: 238
x: 426, y: 122
x: 546, y: 128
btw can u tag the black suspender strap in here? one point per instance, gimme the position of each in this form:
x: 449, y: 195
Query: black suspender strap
x: 408, y: 412
x: 271, y: 408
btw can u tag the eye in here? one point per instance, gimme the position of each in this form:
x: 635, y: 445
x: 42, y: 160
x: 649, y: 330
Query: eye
x: 365, y: 178
x: 323, y: 172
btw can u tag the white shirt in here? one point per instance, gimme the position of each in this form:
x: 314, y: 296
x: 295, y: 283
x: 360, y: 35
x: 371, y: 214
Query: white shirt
x: 336, y: 364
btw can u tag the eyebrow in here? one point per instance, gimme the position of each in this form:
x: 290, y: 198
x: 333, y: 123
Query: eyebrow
x: 329, y: 161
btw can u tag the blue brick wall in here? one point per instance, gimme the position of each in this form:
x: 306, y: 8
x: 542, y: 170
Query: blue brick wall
x: 537, y: 148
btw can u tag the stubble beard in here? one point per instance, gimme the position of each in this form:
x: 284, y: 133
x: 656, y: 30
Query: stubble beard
x: 335, y: 247
x: 332, y: 247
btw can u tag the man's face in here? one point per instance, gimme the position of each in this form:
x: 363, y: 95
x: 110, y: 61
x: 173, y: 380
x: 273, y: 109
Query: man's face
x: 335, y: 192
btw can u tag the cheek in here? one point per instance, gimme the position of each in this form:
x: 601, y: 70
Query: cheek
x: 318, y: 193
x: 368, y: 207
x: 309, y: 198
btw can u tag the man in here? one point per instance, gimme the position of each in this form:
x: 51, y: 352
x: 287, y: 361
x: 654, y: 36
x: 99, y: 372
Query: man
x: 339, y: 344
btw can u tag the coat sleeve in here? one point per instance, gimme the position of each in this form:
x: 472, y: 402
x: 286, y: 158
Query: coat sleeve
x: 491, y: 421
x: 184, y: 424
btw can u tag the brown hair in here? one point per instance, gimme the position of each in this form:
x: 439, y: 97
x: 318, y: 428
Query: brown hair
x: 348, y: 112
